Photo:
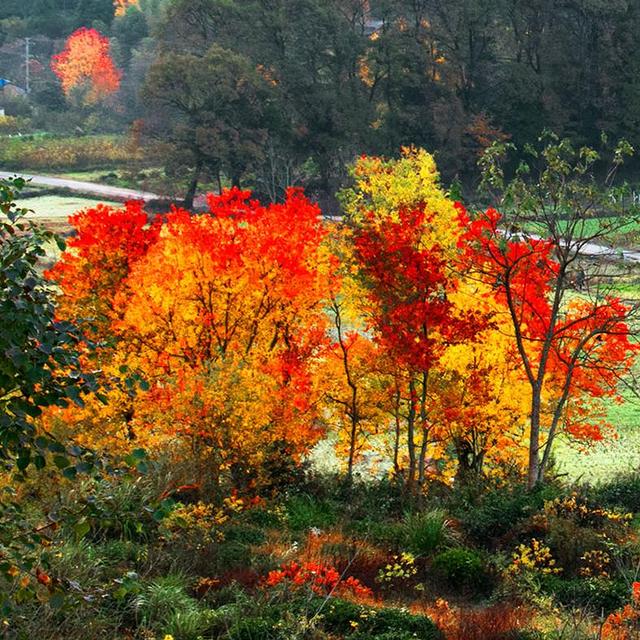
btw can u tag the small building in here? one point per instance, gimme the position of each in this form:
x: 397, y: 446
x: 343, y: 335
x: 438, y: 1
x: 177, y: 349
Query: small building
x: 10, y: 90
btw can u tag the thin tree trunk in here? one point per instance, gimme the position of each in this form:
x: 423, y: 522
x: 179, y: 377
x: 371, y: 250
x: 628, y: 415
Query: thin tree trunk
x: 396, y: 442
x: 411, y: 443
x: 534, y: 475
x: 191, y: 191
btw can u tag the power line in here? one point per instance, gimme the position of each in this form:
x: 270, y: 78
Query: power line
x: 27, y: 71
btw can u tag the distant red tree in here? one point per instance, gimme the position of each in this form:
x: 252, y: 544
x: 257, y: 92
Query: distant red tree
x: 85, y: 65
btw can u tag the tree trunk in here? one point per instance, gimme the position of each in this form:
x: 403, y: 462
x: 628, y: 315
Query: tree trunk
x: 411, y: 443
x: 354, y: 431
x: 534, y: 471
x: 396, y: 439
x: 191, y: 191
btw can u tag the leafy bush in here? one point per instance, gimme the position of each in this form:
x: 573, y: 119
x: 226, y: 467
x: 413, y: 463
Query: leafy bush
x: 621, y: 491
x: 396, y: 620
x: 461, y: 568
x: 305, y: 512
x: 500, y: 510
x: 232, y: 555
x: 244, y: 534
x: 342, y: 617
x: 426, y: 532
x: 596, y: 594
x: 40, y: 365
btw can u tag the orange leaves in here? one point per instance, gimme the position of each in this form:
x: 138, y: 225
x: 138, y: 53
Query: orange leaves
x: 234, y: 299
x: 107, y: 243
x: 323, y: 580
x: 121, y: 6
x: 85, y: 65
x: 254, y: 329
x: 222, y: 314
x: 623, y: 624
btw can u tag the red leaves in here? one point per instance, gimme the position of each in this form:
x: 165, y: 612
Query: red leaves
x: 321, y: 579
x: 108, y: 242
x: 409, y: 284
x: 583, y: 342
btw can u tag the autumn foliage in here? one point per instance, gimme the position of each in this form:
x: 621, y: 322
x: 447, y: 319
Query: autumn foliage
x: 222, y: 314
x: 121, y: 6
x: 321, y: 579
x: 244, y: 335
x: 85, y: 67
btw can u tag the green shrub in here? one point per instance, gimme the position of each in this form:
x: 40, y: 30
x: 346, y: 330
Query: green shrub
x: 244, y: 534
x: 424, y: 533
x: 337, y: 615
x: 500, y: 510
x: 364, y: 623
x: 621, y: 491
x: 256, y: 620
x: 597, y: 594
x: 263, y: 518
x: 304, y: 512
x: 397, y: 620
x: 461, y: 569
x: 232, y: 555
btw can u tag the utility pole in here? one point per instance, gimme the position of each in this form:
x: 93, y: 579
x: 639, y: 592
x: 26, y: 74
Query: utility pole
x: 27, y: 72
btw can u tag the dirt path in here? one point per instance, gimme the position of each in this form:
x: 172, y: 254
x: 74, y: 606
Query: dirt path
x: 89, y: 188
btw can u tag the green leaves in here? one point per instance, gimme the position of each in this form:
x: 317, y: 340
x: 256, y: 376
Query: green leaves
x: 39, y: 360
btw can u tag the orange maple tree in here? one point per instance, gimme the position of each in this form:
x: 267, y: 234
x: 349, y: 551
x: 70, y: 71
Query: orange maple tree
x: 85, y: 66
x: 221, y: 313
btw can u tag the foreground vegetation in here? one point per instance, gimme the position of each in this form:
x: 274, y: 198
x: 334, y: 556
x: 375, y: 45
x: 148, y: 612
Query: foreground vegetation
x: 141, y: 556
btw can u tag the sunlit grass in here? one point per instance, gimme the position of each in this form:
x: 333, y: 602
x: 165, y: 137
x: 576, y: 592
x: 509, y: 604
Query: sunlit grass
x: 58, y: 206
x: 610, y: 457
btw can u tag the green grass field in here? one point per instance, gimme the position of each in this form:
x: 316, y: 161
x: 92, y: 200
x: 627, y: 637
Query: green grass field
x: 46, y: 207
x: 610, y: 457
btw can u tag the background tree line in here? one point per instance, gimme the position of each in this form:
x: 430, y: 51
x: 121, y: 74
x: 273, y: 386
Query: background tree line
x: 275, y: 92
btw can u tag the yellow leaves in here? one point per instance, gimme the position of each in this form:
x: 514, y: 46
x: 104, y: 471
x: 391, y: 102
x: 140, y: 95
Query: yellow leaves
x: 385, y: 187
x: 121, y: 6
